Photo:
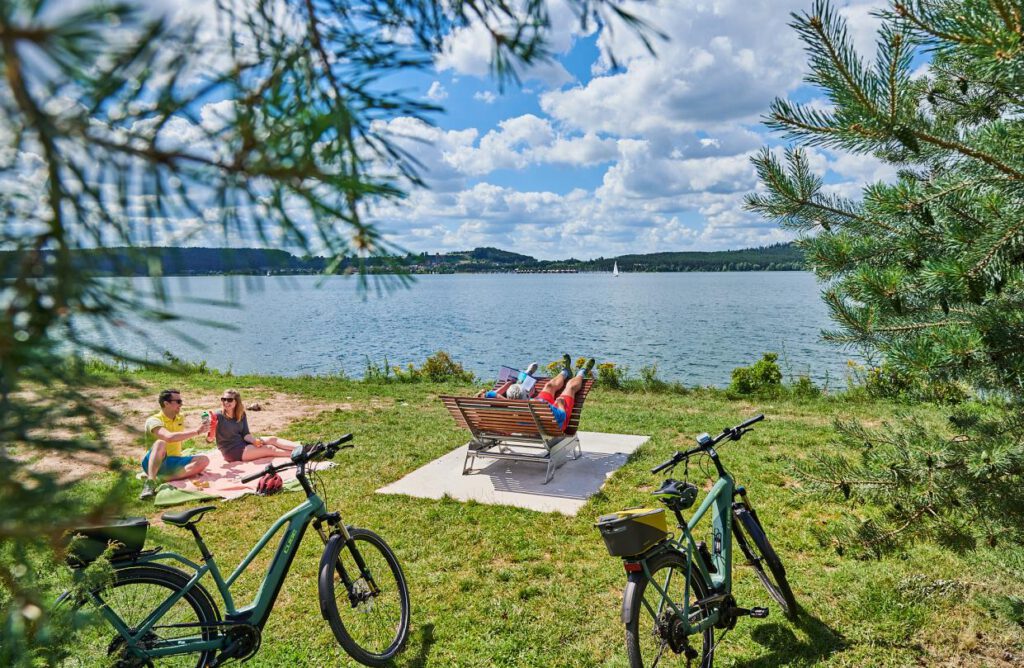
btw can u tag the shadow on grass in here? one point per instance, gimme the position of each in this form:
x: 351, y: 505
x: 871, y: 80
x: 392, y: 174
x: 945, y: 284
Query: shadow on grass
x: 425, y: 638
x: 822, y: 642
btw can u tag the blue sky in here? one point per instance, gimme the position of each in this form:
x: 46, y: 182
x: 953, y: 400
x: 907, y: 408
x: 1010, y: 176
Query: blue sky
x: 587, y: 162
x: 584, y: 161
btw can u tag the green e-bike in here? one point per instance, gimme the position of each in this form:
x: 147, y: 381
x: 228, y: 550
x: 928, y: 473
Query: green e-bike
x: 155, y: 613
x: 679, y: 590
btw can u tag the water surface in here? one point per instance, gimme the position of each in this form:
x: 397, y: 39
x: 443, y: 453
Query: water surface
x: 696, y: 327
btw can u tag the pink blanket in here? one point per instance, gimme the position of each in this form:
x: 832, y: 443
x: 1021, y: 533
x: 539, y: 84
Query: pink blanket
x: 224, y: 479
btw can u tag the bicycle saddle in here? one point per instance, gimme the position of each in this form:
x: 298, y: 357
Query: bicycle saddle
x: 184, y: 517
x: 677, y: 493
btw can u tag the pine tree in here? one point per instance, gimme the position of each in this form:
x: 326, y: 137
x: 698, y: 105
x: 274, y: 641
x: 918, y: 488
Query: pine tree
x: 292, y: 155
x: 926, y: 270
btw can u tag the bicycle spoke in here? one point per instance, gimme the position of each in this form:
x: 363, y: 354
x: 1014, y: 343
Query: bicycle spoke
x: 132, y: 599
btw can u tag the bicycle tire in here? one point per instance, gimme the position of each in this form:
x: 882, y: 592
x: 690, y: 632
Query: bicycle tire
x: 389, y: 608
x: 774, y: 579
x: 133, y: 594
x: 638, y: 640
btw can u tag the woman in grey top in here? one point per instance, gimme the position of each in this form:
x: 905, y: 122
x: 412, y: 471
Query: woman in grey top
x: 234, y: 439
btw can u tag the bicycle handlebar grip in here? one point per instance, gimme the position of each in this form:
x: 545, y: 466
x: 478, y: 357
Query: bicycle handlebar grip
x: 756, y: 418
x: 664, y: 465
x: 250, y: 478
x: 344, y: 439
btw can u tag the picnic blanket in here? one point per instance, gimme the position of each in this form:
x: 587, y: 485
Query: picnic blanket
x: 222, y: 480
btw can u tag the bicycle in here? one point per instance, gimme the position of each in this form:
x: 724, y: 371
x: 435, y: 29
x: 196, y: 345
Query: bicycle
x: 151, y: 611
x: 658, y: 610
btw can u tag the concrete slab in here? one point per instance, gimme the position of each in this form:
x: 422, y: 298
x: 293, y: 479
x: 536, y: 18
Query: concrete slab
x: 521, y: 484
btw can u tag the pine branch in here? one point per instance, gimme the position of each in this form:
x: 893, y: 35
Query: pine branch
x: 827, y: 33
x: 917, y: 326
x: 994, y: 250
x: 963, y: 149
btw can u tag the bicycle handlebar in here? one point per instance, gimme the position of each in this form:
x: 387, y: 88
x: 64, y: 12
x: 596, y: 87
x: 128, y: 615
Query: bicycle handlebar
x: 270, y: 468
x: 755, y: 419
x: 303, y: 455
x: 730, y: 433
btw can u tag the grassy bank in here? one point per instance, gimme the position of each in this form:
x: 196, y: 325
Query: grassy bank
x: 498, y: 586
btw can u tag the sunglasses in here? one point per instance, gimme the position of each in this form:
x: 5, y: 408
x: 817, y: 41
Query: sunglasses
x: 227, y: 400
x: 175, y: 401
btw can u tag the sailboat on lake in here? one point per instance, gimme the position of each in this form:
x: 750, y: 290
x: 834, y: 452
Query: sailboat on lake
x: 615, y: 268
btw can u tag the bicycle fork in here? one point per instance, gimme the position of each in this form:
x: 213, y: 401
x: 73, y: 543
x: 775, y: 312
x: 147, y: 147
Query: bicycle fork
x: 334, y: 521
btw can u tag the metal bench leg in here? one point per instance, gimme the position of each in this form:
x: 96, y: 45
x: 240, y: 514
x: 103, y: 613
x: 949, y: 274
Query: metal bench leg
x: 467, y: 464
x: 550, y: 473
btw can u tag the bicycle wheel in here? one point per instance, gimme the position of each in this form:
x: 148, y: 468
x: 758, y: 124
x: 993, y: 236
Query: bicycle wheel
x: 653, y: 629
x: 370, y: 615
x: 759, y: 552
x: 135, y: 593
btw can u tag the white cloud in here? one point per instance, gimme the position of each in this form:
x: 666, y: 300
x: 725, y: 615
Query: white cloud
x: 468, y: 51
x: 517, y: 143
x: 485, y: 96
x: 724, y: 63
x: 437, y: 92
x: 863, y: 26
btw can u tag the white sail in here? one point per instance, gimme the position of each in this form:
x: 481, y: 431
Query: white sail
x: 615, y: 268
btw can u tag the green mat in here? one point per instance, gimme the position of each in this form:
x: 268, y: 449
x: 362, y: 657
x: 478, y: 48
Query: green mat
x: 169, y: 495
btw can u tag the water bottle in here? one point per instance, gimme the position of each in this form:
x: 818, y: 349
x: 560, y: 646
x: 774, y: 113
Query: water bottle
x: 212, y: 431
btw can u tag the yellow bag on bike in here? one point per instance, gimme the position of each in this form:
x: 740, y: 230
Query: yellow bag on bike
x: 630, y: 532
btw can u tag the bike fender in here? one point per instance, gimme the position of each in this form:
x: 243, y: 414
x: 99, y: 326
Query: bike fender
x: 327, y: 567
x: 627, y: 601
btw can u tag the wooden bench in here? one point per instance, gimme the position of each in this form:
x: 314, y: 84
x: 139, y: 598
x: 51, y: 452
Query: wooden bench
x: 517, y: 430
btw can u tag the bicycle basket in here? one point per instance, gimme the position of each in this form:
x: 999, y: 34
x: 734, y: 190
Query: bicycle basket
x: 631, y: 532
x: 129, y: 533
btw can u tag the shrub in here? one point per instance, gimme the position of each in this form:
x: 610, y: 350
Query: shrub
x: 885, y: 382
x: 804, y: 387
x: 376, y: 373
x: 649, y: 379
x: 440, y: 367
x: 610, y: 375
x: 764, y: 376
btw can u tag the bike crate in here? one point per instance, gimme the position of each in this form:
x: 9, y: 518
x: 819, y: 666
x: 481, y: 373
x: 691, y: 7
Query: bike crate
x: 630, y: 532
x: 129, y: 533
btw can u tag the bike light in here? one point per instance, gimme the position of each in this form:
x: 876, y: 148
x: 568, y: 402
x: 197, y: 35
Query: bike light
x: 632, y: 566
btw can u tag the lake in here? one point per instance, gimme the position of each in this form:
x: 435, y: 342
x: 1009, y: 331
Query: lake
x: 696, y: 327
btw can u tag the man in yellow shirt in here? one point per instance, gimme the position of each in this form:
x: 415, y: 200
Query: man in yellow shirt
x: 164, y: 458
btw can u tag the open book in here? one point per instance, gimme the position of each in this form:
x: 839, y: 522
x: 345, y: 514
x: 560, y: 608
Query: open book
x: 507, y: 373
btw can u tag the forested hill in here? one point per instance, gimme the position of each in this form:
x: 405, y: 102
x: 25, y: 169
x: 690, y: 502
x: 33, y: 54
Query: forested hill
x: 783, y: 257
x: 172, y: 261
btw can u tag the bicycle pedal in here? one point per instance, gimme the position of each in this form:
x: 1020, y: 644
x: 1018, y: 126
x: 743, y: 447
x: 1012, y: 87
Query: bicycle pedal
x: 759, y: 613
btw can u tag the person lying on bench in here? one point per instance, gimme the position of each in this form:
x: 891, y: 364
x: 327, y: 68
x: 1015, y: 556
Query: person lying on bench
x: 235, y: 441
x: 512, y: 388
x: 560, y: 392
x: 163, y: 459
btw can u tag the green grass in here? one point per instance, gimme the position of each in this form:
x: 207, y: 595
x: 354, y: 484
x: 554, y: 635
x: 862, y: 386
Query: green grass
x: 498, y: 586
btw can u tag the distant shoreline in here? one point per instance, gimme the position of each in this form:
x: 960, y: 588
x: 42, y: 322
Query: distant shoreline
x: 194, y: 261
x: 258, y: 274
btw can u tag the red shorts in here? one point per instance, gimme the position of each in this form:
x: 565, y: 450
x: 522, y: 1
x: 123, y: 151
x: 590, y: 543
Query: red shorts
x: 565, y: 403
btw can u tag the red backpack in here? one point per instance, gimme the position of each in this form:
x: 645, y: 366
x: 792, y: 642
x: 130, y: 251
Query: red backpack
x: 269, y: 484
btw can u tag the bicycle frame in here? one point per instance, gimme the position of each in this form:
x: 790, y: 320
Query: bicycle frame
x: 255, y: 614
x: 719, y: 501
